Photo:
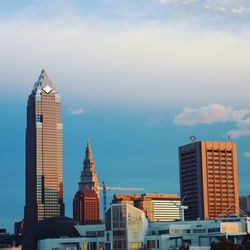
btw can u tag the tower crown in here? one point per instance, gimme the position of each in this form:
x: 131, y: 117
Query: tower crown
x: 88, y: 173
x: 44, y: 83
x: 88, y: 152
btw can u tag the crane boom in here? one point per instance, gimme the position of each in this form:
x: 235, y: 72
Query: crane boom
x: 120, y: 188
x: 105, y: 189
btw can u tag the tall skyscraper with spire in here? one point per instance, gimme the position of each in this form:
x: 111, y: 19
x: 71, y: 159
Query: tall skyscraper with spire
x: 44, y: 153
x: 86, y: 204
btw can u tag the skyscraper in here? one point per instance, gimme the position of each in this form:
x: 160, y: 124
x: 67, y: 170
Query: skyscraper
x: 44, y: 153
x: 209, y: 179
x: 86, y: 204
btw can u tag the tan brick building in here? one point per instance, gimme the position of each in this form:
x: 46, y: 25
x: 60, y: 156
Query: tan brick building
x: 157, y: 207
x: 209, y: 179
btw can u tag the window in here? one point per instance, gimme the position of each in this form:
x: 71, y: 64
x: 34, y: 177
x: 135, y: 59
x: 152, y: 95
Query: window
x: 199, y: 231
x: 166, y: 231
x: 213, y: 230
x: 119, y: 233
x: 151, y: 244
x: 135, y: 245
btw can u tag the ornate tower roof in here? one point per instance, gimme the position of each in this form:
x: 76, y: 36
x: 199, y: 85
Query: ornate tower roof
x: 88, y: 152
x: 44, y: 83
x: 88, y: 174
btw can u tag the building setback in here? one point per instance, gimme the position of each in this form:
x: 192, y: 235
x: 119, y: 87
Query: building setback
x: 157, y: 207
x: 44, y: 157
x: 209, y: 179
x: 86, y: 204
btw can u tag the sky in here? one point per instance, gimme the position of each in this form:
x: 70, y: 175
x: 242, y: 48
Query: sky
x: 136, y: 77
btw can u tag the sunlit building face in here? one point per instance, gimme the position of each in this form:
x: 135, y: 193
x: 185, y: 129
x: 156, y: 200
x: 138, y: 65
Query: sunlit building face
x: 44, y: 156
x: 209, y: 179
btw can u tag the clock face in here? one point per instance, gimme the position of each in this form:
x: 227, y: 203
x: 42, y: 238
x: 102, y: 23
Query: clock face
x: 47, y: 89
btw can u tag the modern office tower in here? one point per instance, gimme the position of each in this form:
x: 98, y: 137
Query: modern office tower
x: 86, y: 205
x: 44, y: 156
x: 157, y: 207
x: 209, y: 179
x: 245, y: 204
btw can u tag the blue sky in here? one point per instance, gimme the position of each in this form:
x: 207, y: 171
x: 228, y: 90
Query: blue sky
x: 136, y: 77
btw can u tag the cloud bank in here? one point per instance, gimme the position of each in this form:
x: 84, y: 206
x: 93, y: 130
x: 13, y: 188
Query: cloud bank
x: 228, y: 8
x: 217, y: 113
x: 210, y: 114
x: 97, y: 51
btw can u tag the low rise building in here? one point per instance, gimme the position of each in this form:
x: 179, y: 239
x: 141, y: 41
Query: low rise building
x: 126, y: 227
x: 157, y: 207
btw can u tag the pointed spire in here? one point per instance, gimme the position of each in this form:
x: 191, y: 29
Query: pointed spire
x: 88, y: 152
x: 44, y: 83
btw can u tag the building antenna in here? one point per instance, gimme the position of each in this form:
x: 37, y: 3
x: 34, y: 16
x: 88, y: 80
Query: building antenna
x: 192, y: 138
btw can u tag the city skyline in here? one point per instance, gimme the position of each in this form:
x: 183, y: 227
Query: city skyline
x: 137, y: 79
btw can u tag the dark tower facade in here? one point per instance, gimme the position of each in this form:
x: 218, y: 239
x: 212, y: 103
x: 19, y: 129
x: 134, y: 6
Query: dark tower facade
x: 86, y: 204
x: 44, y: 153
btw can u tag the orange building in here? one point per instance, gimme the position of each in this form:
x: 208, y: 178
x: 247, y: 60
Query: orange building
x: 86, y: 205
x: 157, y: 207
x: 44, y: 153
x: 209, y: 179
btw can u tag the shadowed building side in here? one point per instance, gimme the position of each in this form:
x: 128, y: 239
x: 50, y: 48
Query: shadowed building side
x: 51, y: 228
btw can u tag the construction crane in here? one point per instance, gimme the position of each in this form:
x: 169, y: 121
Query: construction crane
x: 105, y: 189
x: 182, y: 207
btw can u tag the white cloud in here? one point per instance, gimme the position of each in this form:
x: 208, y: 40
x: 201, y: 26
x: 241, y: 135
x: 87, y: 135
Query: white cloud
x: 247, y: 154
x: 243, y: 129
x: 76, y: 111
x: 210, y: 114
x: 215, y: 113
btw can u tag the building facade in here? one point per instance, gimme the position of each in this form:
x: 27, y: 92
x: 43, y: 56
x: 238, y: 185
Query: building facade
x: 44, y: 153
x: 209, y: 179
x: 157, y: 207
x: 86, y: 204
